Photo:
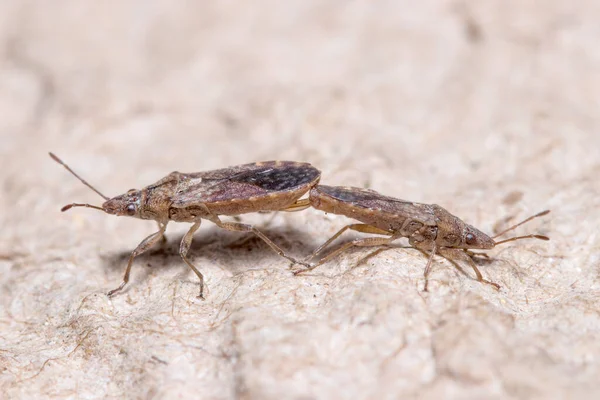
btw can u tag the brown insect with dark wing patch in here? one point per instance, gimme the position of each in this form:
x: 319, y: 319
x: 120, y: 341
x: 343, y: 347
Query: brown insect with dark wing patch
x: 191, y: 197
x: 428, y: 227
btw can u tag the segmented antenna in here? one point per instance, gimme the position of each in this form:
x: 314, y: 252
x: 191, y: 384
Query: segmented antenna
x: 58, y: 160
x: 69, y: 206
x: 541, y: 237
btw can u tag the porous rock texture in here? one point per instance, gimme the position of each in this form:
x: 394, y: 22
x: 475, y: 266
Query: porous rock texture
x: 488, y: 108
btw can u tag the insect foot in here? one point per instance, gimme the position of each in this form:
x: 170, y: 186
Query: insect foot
x: 192, y: 197
x: 428, y: 227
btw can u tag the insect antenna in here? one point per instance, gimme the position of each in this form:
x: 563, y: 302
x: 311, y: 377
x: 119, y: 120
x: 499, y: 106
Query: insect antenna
x: 69, y: 206
x: 541, y: 237
x: 58, y: 160
x: 540, y: 214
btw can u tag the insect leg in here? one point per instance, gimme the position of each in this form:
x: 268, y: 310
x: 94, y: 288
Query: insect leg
x: 184, y: 247
x: 457, y: 254
x: 163, y: 236
x: 364, y: 242
x: 298, y: 205
x: 475, y: 254
x: 238, y: 227
x: 141, y: 248
x: 428, y: 266
x: 364, y: 228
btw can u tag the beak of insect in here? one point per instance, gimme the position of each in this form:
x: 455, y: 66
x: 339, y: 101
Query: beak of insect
x: 112, y: 207
x: 122, y: 206
x: 476, y: 239
x: 486, y: 242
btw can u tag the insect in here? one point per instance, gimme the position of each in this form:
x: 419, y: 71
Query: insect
x: 428, y: 227
x: 192, y: 197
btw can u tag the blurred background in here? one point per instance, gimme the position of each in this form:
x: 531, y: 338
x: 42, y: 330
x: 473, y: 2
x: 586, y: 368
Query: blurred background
x: 488, y: 108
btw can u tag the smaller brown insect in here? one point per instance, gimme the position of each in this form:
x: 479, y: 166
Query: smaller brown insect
x: 180, y: 197
x: 428, y: 227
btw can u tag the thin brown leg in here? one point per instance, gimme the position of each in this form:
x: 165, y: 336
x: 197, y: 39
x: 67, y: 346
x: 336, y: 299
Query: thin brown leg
x: 184, y: 247
x: 238, y: 227
x: 146, y: 244
x: 163, y: 236
x: 364, y: 242
x: 298, y: 205
x: 475, y: 254
x: 363, y: 228
x: 428, y: 266
x: 459, y: 254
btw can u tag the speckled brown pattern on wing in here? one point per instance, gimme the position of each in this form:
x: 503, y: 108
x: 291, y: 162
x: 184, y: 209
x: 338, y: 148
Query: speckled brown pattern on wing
x: 245, y: 181
x: 371, y: 200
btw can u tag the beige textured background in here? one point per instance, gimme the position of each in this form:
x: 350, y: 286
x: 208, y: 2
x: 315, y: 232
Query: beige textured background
x: 489, y: 108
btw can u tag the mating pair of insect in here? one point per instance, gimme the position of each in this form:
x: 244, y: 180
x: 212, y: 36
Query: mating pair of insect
x: 279, y: 186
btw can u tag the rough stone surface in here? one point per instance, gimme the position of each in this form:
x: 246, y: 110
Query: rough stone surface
x: 488, y: 108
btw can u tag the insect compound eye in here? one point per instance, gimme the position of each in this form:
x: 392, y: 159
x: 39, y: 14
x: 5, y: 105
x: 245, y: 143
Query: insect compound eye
x: 130, y: 209
x: 470, y: 238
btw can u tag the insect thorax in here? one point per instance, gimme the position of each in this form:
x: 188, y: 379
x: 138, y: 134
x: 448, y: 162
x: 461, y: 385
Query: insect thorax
x: 155, y: 200
x: 188, y: 214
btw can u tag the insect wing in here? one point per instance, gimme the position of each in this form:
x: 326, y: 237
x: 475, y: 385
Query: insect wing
x: 245, y: 181
x: 372, y: 200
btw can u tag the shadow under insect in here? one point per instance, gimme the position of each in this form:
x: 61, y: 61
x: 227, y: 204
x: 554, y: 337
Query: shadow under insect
x: 230, y: 251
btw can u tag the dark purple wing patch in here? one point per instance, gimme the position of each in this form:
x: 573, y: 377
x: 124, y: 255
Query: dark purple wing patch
x: 244, y: 181
x: 280, y: 178
x: 354, y: 195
